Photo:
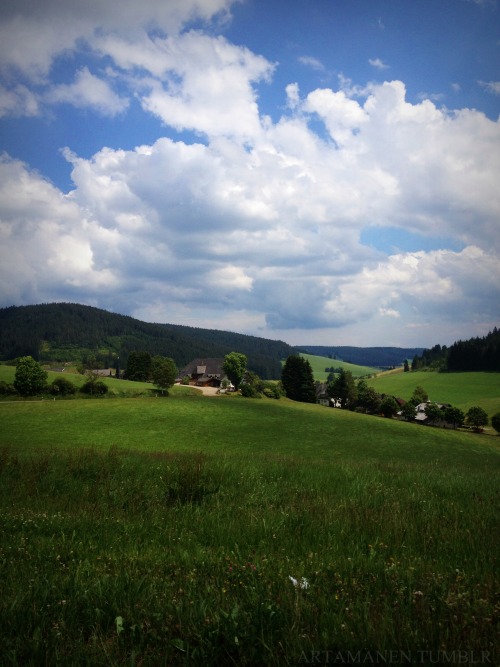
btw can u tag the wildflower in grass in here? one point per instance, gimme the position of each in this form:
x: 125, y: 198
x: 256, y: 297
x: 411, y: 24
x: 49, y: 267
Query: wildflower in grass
x: 303, y: 583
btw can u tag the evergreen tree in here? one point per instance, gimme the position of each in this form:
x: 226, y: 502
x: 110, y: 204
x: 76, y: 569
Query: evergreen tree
x: 139, y: 367
x: 298, y: 380
x: 343, y: 389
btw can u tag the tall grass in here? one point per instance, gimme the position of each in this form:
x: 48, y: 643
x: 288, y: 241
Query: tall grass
x: 165, y: 531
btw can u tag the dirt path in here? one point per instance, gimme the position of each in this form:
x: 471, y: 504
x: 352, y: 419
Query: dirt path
x: 207, y: 391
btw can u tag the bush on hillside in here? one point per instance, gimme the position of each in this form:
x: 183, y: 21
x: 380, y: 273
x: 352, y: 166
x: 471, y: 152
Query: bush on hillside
x: 94, y: 388
x: 495, y: 422
x: 62, y: 387
x: 7, y: 389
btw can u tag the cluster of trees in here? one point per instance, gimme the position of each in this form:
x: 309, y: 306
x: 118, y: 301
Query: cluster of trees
x: 143, y: 367
x: 476, y: 354
x: 65, y: 331
x: 249, y: 383
x: 32, y: 380
x: 298, y: 384
x: 434, y: 359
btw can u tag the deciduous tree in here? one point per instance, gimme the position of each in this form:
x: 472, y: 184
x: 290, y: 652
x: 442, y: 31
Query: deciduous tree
x: 419, y: 396
x: 409, y: 411
x: 30, y: 378
x: 477, y: 418
x: 235, y: 365
x: 164, y: 372
x: 389, y: 407
x: 433, y: 413
x: 368, y: 398
x: 454, y: 416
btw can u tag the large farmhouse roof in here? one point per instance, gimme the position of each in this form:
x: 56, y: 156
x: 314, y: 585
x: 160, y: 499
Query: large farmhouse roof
x: 211, y: 367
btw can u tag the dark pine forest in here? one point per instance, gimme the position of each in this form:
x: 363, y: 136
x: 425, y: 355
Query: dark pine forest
x: 476, y: 354
x: 62, y: 332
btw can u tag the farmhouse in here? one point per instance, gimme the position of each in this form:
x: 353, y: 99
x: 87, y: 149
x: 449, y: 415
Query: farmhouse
x: 422, y: 417
x: 322, y: 397
x: 205, y: 372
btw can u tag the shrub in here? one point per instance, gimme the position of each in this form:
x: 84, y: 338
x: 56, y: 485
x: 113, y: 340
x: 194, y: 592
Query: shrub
x: 249, y: 391
x: 495, y: 422
x: 62, y: 387
x: 7, y: 389
x: 94, y: 388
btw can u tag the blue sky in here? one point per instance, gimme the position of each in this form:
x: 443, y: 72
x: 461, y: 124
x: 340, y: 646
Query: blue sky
x: 320, y: 171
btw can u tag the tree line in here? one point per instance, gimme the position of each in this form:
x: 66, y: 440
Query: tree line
x: 475, y: 354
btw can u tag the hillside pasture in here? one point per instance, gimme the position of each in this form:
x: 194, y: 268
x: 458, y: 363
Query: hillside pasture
x: 462, y: 390
x: 115, y: 387
x: 160, y: 531
x: 318, y: 365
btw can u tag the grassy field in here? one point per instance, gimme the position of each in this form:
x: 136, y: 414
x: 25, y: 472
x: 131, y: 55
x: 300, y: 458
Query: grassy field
x: 148, y: 531
x: 462, y: 390
x: 318, y: 365
x: 116, y: 387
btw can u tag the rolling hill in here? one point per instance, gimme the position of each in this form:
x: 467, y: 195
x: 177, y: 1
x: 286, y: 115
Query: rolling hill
x: 69, y: 332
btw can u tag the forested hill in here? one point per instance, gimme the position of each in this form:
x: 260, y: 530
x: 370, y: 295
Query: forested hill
x: 68, y: 332
x: 365, y: 356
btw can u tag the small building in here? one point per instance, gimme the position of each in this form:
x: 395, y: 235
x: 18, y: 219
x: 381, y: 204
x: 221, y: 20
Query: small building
x: 421, y: 415
x: 322, y: 397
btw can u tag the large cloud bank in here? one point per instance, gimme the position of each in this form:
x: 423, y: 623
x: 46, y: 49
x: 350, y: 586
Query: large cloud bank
x: 257, y: 224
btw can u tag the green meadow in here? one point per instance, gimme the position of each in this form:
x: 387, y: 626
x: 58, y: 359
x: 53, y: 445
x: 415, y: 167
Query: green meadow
x: 462, y: 390
x: 164, y: 531
x: 318, y: 365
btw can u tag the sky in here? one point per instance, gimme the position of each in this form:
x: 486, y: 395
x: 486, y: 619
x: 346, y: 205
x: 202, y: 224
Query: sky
x: 322, y: 172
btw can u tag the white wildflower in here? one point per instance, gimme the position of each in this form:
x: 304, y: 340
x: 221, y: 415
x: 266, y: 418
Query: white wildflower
x: 303, y: 583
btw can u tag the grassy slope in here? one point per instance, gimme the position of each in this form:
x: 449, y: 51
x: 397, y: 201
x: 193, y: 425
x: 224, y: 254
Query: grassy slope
x: 318, y: 365
x: 186, y: 421
x: 393, y: 525
x: 462, y: 390
x: 117, y: 387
